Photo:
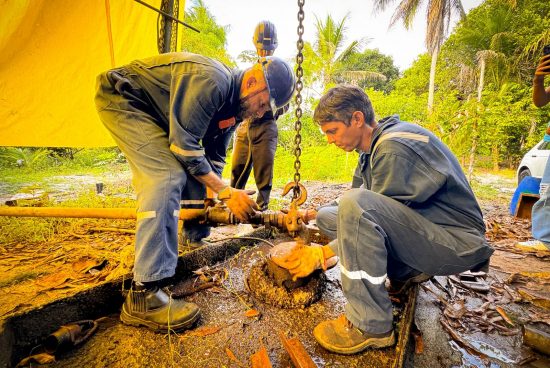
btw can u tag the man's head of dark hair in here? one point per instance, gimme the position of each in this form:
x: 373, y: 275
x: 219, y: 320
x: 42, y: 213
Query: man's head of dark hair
x: 339, y: 104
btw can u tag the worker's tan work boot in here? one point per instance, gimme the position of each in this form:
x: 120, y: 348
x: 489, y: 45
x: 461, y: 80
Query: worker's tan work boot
x: 340, y: 336
x: 156, y: 309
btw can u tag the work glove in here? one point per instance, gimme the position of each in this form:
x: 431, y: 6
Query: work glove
x: 239, y: 202
x: 302, y: 260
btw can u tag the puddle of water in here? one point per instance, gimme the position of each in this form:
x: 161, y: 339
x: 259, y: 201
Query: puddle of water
x: 470, y: 359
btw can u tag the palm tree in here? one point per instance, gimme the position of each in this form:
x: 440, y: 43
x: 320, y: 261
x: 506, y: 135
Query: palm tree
x: 212, y: 40
x: 438, y: 19
x: 324, y: 60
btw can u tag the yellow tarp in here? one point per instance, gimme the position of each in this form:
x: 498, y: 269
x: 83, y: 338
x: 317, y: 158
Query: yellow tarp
x: 50, y: 54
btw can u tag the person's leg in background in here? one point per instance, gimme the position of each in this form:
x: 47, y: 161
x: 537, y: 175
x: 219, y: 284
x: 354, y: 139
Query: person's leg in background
x: 263, y: 136
x: 541, y: 210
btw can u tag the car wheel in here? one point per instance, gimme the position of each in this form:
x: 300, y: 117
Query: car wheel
x: 522, y: 174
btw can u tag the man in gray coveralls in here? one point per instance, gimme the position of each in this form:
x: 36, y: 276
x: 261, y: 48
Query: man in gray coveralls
x: 415, y: 216
x: 172, y: 116
x: 256, y: 139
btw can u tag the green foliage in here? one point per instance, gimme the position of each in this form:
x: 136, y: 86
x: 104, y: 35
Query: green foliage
x: 324, y: 61
x: 497, y: 41
x: 28, y: 158
x: 311, y: 135
x: 212, y: 39
x: 373, y: 61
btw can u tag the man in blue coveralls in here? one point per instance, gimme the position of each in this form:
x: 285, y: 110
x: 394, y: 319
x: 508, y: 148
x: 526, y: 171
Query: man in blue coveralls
x: 172, y: 116
x: 414, y: 217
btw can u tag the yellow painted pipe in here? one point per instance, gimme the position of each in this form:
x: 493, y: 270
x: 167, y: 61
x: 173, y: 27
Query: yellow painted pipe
x: 108, y: 213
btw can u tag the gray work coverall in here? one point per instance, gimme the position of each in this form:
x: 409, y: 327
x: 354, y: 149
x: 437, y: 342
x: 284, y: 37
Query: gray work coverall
x: 254, y: 147
x: 172, y: 116
x: 415, y: 212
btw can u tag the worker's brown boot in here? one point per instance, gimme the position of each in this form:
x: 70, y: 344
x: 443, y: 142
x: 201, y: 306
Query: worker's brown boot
x: 156, y: 309
x: 340, y: 336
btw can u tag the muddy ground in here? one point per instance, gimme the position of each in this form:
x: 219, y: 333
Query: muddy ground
x: 458, y: 327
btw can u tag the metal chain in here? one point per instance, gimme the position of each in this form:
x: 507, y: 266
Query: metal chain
x: 174, y: 35
x: 298, y: 98
x: 161, y: 26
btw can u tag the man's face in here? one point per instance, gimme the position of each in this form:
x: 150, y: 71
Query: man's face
x: 345, y: 137
x: 255, y: 104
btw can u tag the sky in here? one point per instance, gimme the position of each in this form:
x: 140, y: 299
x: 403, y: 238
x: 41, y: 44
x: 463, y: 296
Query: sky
x: 242, y: 16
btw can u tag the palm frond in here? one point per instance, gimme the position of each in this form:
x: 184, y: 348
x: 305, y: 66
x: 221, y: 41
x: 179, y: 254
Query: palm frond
x: 535, y: 47
x: 355, y: 76
x: 406, y: 11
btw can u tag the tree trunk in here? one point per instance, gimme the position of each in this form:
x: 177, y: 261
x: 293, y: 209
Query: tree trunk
x: 481, y: 79
x: 431, y: 89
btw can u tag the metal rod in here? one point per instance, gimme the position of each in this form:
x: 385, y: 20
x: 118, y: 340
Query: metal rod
x: 109, y: 213
x: 167, y: 15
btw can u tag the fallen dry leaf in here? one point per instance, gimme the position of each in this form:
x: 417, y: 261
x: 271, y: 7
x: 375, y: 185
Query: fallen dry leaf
x: 203, y: 331
x: 233, y: 357
x: 504, y: 316
x: 43, y: 358
x: 84, y: 264
x: 53, y: 280
x: 251, y: 313
x: 455, y: 310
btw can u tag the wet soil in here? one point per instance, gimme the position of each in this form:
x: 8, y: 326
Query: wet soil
x: 226, y: 329
x: 34, y: 275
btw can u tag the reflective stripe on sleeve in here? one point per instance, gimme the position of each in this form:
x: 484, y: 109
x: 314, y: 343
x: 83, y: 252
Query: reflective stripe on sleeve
x: 218, y: 163
x: 183, y: 152
x: 191, y: 201
x: 405, y: 135
x: 358, y: 275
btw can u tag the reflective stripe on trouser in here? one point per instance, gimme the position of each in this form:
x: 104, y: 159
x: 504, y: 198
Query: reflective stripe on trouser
x: 540, y: 217
x: 259, y: 139
x: 158, y: 179
x: 377, y: 236
x: 193, y: 196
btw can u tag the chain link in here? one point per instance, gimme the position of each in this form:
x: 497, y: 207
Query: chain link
x: 161, y: 26
x: 174, y: 35
x: 298, y: 98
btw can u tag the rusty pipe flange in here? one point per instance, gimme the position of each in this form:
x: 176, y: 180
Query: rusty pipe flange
x: 264, y: 288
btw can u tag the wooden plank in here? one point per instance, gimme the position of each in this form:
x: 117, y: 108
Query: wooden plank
x: 298, y: 354
x: 260, y: 359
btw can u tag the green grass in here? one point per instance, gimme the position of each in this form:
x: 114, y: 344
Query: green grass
x: 325, y: 163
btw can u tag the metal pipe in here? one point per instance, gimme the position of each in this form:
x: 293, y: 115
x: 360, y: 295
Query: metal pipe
x: 74, y: 212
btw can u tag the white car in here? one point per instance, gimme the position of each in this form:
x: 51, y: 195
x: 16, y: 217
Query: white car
x: 534, y: 161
